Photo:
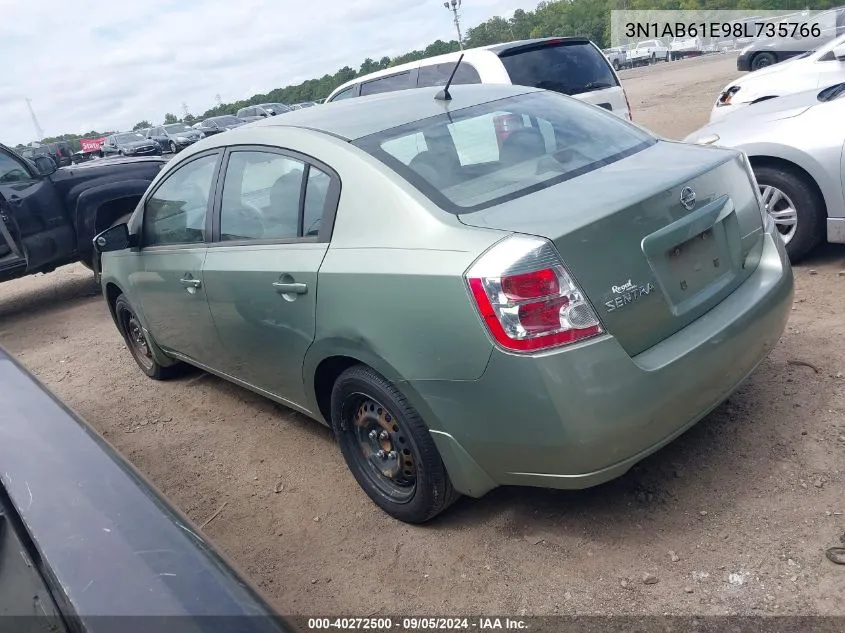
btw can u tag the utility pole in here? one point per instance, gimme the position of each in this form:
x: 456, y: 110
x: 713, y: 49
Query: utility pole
x: 38, y: 129
x: 185, y: 108
x: 453, y: 6
x: 218, y: 99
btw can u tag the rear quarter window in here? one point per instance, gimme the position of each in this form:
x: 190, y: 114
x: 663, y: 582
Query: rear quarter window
x: 570, y: 68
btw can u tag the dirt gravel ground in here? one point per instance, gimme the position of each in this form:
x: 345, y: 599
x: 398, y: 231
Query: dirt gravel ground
x: 733, y: 517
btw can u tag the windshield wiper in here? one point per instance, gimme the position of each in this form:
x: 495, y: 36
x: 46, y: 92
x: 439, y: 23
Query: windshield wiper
x: 592, y: 86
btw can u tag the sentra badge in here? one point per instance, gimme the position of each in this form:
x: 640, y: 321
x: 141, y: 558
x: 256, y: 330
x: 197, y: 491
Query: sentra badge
x: 627, y: 293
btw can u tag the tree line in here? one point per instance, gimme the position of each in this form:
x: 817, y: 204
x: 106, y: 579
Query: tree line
x: 590, y: 18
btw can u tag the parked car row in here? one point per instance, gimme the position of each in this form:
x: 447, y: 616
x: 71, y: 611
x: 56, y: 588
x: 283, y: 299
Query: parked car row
x: 787, y: 119
x: 483, y: 284
x: 60, y: 152
x: 174, y: 137
x: 766, y: 52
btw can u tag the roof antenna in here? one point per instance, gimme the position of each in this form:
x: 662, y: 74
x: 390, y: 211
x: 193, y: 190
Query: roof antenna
x: 444, y: 95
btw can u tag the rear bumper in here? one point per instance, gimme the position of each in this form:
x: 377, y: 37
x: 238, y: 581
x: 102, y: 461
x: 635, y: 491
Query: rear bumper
x: 581, y: 416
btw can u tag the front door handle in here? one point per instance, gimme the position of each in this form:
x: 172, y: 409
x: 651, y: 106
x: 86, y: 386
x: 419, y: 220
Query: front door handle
x: 191, y: 283
x: 291, y: 288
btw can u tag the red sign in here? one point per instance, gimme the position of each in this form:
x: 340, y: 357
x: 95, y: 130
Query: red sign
x: 92, y: 144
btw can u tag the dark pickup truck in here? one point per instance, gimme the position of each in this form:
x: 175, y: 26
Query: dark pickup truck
x: 49, y: 216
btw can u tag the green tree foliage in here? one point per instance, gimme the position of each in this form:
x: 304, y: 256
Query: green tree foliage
x: 142, y: 125
x: 170, y: 118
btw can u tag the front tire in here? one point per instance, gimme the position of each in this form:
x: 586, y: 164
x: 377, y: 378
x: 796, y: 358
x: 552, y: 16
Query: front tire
x: 388, y: 447
x: 137, y: 343
x: 653, y: 59
x: 796, y: 207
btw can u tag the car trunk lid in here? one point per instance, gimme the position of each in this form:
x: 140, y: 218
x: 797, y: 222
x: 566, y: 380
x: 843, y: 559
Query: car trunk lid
x: 649, y: 265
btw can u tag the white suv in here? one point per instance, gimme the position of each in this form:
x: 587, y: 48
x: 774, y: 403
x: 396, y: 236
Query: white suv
x: 573, y: 66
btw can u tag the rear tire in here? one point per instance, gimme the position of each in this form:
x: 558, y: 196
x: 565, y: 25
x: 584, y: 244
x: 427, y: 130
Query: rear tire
x: 173, y: 147
x: 653, y: 59
x: 811, y: 214
x: 370, y: 416
x: 762, y: 60
x: 137, y: 343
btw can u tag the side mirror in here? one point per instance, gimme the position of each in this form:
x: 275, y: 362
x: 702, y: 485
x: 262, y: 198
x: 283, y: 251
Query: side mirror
x: 839, y: 52
x: 116, y: 238
x: 45, y: 165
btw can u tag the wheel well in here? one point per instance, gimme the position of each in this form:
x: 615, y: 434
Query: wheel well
x: 112, y: 293
x: 780, y: 163
x: 110, y: 211
x: 324, y: 378
x: 761, y: 53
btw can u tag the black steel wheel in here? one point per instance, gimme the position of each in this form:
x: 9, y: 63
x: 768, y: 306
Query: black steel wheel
x: 136, y: 340
x: 388, y: 447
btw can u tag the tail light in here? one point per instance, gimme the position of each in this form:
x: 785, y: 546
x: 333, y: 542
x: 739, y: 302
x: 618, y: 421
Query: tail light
x: 507, y: 124
x: 527, y: 299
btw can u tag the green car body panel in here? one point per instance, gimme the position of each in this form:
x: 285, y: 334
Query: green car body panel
x: 387, y: 288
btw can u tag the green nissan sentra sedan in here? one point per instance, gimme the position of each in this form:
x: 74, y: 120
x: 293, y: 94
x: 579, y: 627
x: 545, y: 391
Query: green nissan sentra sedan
x: 508, y: 287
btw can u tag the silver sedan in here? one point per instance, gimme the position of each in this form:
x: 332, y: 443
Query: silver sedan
x: 795, y: 145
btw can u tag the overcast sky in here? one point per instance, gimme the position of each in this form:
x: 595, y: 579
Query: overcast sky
x: 107, y: 64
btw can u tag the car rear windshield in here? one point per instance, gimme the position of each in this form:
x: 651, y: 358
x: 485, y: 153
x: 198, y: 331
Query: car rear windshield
x: 475, y: 157
x: 568, y: 67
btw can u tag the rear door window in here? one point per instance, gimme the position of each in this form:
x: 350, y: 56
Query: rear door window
x: 438, y: 75
x: 261, y: 197
x: 570, y: 68
x: 402, y: 81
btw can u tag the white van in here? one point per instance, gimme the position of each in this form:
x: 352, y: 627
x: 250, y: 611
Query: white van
x: 571, y: 65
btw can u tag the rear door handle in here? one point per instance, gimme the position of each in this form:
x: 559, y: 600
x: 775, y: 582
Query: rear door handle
x: 291, y: 288
x: 191, y: 283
